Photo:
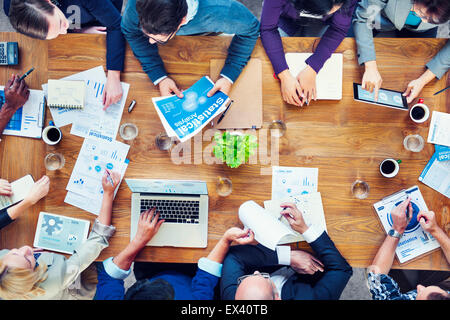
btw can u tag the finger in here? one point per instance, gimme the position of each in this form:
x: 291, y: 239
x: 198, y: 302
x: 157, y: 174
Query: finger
x: 155, y: 220
x: 317, y: 261
x: 376, y: 92
x: 364, y: 85
x: 101, y: 28
x: 10, y: 81
x: 314, y: 94
x: 158, y: 225
x: 177, y: 92
x: 288, y: 205
x: 16, y: 83
x: 407, y: 91
x: 213, y: 91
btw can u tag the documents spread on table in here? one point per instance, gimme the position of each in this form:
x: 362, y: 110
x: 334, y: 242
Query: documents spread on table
x: 439, y: 132
x: 415, y: 241
x: 329, y: 78
x: 20, y: 189
x: 185, y: 117
x: 103, y: 124
x: 28, y: 120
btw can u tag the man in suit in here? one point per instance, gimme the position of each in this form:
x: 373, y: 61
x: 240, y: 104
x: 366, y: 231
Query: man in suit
x: 410, y: 19
x: 303, y: 276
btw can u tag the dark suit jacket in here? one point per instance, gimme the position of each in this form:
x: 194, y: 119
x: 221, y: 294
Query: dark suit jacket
x: 327, y: 285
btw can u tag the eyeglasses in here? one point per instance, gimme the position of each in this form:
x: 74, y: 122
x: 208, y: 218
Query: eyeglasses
x: 265, y: 275
x: 161, y: 42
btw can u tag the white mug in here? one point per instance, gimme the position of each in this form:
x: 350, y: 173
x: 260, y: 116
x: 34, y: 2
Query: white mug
x: 396, y: 167
x: 425, y: 108
x: 45, y: 134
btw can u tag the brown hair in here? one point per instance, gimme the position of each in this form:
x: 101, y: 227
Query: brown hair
x: 444, y: 285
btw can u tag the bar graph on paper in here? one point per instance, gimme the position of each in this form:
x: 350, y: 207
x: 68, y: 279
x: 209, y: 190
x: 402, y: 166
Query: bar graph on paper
x: 293, y: 181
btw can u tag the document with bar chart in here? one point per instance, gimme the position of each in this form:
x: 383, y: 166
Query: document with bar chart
x: 29, y: 119
x: 293, y: 181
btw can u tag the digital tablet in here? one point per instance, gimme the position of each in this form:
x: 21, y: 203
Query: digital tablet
x: 386, y: 98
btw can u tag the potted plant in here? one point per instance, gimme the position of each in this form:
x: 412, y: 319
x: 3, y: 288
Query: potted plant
x: 234, y: 148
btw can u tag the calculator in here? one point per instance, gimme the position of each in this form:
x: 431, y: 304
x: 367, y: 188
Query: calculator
x: 9, y: 53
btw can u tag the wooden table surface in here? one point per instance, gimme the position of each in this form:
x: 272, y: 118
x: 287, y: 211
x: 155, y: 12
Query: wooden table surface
x: 345, y: 139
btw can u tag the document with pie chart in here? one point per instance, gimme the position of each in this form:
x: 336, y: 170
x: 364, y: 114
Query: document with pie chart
x: 415, y: 241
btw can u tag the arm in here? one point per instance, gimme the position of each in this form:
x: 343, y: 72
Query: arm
x: 428, y: 222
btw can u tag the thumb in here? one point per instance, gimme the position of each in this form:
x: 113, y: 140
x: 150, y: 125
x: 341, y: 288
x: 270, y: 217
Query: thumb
x: 407, y: 91
x: 213, y: 91
x: 178, y: 92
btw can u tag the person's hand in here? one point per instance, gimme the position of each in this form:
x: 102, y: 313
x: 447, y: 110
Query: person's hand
x: 427, y: 220
x: 94, y: 30
x: 113, y: 89
x: 413, y: 90
x: 168, y: 87
x: 148, y: 226
x: 240, y: 236
x: 39, y: 190
x: 307, y: 80
x: 290, y: 88
x: 294, y: 217
x: 371, y: 80
x: 399, y: 219
x: 305, y: 263
x: 108, y: 188
x: 16, y: 93
x: 5, y: 188
x: 223, y: 85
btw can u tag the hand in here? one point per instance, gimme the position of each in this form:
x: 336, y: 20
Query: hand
x: 148, y: 226
x: 94, y: 29
x: 372, y: 79
x: 113, y: 90
x: 38, y: 191
x: 167, y: 87
x: 399, y: 219
x: 240, y: 236
x: 294, y: 217
x: 427, y: 220
x: 16, y: 93
x: 307, y: 80
x: 413, y: 90
x: 305, y: 263
x: 108, y: 189
x: 5, y: 188
x: 223, y: 85
x: 290, y: 88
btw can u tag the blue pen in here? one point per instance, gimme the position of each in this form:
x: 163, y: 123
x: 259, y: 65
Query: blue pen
x: 109, y: 178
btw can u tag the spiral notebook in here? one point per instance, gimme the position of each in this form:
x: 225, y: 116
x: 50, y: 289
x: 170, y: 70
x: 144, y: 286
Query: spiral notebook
x: 66, y: 94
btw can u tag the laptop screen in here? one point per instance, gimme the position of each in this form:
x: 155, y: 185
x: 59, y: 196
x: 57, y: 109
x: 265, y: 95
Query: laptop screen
x: 167, y: 186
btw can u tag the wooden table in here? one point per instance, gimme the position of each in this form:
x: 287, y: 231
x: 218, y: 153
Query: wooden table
x: 345, y: 139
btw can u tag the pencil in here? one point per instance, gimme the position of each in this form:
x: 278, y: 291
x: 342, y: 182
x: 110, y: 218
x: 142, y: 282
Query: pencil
x: 26, y: 74
x: 441, y: 91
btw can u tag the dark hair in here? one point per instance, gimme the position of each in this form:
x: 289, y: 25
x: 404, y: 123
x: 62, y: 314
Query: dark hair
x: 161, y: 16
x: 158, y: 289
x: 29, y: 17
x: 318, y: 7
x: 444, y: 285
x: 438, y: 9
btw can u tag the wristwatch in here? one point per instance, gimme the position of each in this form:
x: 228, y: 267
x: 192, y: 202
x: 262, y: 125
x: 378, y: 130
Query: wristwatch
x: 395, y: 234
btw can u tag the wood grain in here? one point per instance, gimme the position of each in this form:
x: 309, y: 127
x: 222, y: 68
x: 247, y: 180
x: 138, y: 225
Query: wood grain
x: 345, y: 139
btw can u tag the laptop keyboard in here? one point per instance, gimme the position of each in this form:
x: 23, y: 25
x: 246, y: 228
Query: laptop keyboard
x: 174, y: 211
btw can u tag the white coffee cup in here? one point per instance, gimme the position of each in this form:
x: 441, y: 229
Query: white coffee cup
x: 425, y: 109
x: 394, y: 167
x: 50, y: 134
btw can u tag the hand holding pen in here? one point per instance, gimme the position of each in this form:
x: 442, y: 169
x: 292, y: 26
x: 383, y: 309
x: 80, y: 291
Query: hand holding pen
x: 110, y: 181
x: 294, y: 217
x: 16, y: 93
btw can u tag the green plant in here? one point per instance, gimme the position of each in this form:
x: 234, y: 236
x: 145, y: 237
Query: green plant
x: 234, y: 149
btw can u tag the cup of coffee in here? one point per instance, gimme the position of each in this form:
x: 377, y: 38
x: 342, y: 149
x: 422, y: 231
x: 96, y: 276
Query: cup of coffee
x: 51, y: 134
x: 389, y: 167
x: 419, y: 112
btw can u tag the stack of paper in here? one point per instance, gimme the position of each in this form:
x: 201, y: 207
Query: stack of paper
x: 184, y: 118
x: 439, y: 132
x: 92, y: 119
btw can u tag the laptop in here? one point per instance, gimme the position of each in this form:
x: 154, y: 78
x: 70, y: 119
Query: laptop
x: 183, y: 204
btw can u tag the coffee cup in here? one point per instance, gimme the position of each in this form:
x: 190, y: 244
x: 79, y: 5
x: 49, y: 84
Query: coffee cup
x: 389, y: 167
x: 419, y: 112
x: 51, y: 134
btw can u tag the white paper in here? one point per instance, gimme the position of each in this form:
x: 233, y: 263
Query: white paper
x: 20, y: 189
x: 293, y: 181
x: 329, y: 78
x: 267, y: 229
x: 439, y: 132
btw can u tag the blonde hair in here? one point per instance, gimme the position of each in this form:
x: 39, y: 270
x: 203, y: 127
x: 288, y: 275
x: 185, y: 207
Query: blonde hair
x: 21, y: 283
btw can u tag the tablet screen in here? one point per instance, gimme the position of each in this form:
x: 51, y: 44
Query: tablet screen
x: 385, y: 97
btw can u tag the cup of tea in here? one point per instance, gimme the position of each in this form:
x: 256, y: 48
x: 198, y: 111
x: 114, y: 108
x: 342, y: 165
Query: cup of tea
x: 419, y: 112
x: 389, y: 167
x: 51, y: 134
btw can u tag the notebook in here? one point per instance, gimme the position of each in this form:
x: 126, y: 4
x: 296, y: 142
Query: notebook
x: 246, y: 112
x: 20, y: 189
x: 66, y: 94
x: 329, y: 78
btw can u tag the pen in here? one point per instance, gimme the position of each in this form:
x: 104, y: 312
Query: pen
x: 26, y: 74
x: 223, y: 114
x: 441, y: 91
x: 109, y: 178
x: 131, y: 107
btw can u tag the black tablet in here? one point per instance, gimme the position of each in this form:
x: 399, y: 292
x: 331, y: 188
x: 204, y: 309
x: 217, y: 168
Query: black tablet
x: 386, y: 98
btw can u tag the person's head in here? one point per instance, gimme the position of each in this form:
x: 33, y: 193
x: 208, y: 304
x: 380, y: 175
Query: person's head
x: 160, y: 19
x: 432, y: 11
x: 319, y: 7
x: 256, y: 286
x: 438, y: 292
x: 158, y: 289
x: 39, y: 19
x: 19, y: 275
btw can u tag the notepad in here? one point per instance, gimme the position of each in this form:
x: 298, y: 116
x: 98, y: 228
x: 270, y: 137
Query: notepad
x: 20, y: 189
x: 66, y: 94
x: 329, y: 78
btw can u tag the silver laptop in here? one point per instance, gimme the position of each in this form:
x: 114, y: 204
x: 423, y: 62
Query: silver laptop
x: 182, y: 204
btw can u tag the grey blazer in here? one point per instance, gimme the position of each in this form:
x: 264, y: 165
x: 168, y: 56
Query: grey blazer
x: 387, y: 15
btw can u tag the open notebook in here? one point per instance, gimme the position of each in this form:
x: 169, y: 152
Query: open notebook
x: 329, y: 78
x: 20, y: 189
x: 66, y: 94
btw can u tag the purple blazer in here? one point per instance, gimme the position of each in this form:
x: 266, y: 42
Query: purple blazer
x: 282, y: 14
